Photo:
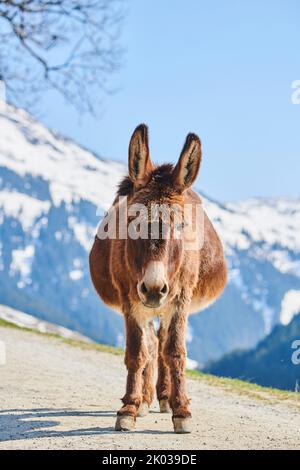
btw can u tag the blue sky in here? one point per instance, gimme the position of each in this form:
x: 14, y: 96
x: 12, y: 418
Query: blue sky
x: 221, y: 69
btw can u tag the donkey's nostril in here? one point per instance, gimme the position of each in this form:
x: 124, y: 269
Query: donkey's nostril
x: 164, y: 289
x: 144, y: 288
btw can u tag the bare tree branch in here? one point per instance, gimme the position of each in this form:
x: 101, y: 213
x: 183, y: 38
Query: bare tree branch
x: 71, y: 46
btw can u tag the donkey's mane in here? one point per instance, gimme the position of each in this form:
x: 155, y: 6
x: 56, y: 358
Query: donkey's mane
x: 162, y: 173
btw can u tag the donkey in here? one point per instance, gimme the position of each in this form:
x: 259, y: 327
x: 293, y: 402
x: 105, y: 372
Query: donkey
x: 144, y: 278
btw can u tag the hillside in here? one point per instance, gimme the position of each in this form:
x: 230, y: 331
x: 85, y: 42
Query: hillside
x: 270, y: 364
x: 24, y: 320
x: 56, y: 395
x: 52, y: 194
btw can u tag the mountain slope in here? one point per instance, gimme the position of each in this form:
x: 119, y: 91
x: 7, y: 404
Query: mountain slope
x: 274, y: 363
x: 49, y: 196
x: 18, y: 319
x: 52, y: 193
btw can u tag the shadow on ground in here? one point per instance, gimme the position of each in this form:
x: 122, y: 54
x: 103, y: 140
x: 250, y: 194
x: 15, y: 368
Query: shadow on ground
x: 18, y: 424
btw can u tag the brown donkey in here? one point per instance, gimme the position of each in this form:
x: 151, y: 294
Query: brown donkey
x: 162, y: 276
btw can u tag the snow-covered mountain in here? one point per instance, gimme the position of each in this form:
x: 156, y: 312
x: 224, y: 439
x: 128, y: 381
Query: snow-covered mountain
x: 24, y: 320
x: 51, y: 194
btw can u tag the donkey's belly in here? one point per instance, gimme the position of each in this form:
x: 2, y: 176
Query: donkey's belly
x: 99, y: 269
x: 144, y: 314
x: 199, y: 304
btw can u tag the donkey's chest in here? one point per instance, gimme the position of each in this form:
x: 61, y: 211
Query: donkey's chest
x: 144, y: 314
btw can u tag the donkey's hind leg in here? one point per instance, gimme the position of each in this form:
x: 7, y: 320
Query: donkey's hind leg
x: 163, y: 386
x: 175, y: 356
x: 148, y: 373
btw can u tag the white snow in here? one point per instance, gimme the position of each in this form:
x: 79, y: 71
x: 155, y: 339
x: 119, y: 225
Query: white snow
x: 189, y: 334
x: 267, y: 313
x: 85, y: 234
x: 77, y: 263
x: 27, y: 147
x: 21, y: 263
x: 24, y: 208
x: 283, y: 262
x: 290, y: 306
x: 76, y: 274
x: 29, y: 321
x: 74, y: 174
x: 260, y: 220
x: 58, y: 235
x: 120, y: 341
x: 1, y: 257
x: 191, y: 364
x: 235, y: 277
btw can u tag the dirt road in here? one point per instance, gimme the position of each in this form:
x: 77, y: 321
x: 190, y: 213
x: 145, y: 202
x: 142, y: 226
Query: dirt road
x: 57, y: 396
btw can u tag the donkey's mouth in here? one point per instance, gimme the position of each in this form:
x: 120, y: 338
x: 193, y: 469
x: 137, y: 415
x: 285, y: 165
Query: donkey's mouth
x: 152, y: 304
x: 152, y: 301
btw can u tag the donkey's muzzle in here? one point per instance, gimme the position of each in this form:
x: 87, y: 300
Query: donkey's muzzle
x: 153, y: 297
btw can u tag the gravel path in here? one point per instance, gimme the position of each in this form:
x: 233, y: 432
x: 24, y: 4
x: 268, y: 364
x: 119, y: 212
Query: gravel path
x: 57, y: 396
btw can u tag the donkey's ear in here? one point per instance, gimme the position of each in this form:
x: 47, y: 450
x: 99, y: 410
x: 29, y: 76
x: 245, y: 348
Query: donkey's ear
x: 139, y: 162
x: 186, y: 170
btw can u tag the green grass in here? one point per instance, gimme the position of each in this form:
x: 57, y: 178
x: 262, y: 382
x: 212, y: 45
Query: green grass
x: 240, y: 387
x: 7, y: 324
x: 245, y: 388
x: 71, y: 342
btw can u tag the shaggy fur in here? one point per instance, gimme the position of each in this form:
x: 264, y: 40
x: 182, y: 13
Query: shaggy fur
x: 194, y: 278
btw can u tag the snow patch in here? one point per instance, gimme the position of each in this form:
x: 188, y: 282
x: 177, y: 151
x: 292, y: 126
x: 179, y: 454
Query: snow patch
x: 120, y: 343
x: 191, y: 364
x: 76, y: 274
x: 29, y: 321
x: 189, y: 334
x: 21, y: 263
x: 290, y: 306
x: 267, y: 313
x: 84, y: 234
x: 272, y: 221
x: 283, y: 262
x: 24, y: 208
x: 1, y: 257
x: 27, y: 147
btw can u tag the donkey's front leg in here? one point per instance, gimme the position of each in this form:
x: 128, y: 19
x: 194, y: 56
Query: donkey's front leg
x: 149, y: 370
x: 175, y: 356
x: 163, y: 386
x: 136, y: 356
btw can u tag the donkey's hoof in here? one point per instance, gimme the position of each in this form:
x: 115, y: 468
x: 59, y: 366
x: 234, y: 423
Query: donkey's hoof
x: 143, y: 409
x: 125, y: 423
x: 164, y: 406
x: 182, y: 425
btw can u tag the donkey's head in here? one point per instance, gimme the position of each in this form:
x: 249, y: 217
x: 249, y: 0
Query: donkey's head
x: 157, y: 194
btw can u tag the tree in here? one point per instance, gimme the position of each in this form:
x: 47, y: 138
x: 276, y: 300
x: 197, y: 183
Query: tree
x: 71, y: 46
